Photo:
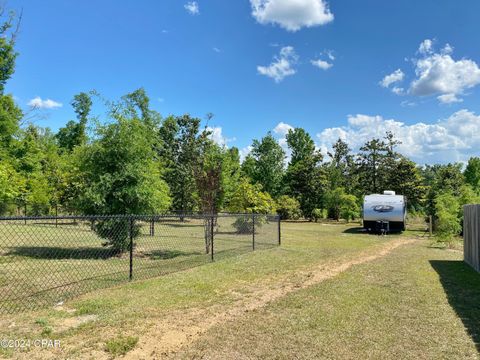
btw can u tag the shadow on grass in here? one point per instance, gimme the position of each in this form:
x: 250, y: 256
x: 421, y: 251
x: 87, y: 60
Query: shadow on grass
x: 179, y: 224
x: 170, y: 254
x: 355, y: 230
x: 58, y: 253
x: 462, y: 286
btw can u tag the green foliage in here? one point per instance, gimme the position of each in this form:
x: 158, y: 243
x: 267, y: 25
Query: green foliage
x: 349, y: 209
x: 472, y: 173
x: 342, y: 205
x: 10, y: 115
x: 74, y: 133
x: 317, y: 214
x: 265, y: 164
x: 288, y: 208
x: 305, y: 178
x: 447, y: 208
x: 10, y: 186
x: 178, y: 148
x: 8, y: 55
x: 250, y: 199
x: 118, y: 174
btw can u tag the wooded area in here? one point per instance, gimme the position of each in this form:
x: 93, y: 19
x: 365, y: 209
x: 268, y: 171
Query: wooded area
x: 134, y: 161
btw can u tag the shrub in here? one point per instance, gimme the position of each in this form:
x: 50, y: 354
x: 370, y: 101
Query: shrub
x: 317, y: 214
x: 288, y: 208
x: 447, y: 209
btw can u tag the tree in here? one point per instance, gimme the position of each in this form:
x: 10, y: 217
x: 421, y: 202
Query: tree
x: 472, y: 173
x: 371, y: 157
x: 119, y: 175
x: 304, y: 178
x: 74, y: 133
x: 349, y: 209
x: 266, y: 164
x: 231, y: 174
x: 441, y: 179
x: 341, y: 168
x: 178, y: 148
x: 448, y: 224
x: 10, y: 113
x: 405, y: 178
x: 288, y: 208
x: 342, y: 205
x: 252, y: 200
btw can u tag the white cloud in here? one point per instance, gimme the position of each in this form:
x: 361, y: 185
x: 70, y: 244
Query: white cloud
x: 449, y: 99
x: 217, y: 50
x: 244, y: 152
x: 282, y: 128
x: 217, y: 136
x: 282, y: 65
x: 392, y: 78
x: 441, y: 74
x: 292, y: 15
x: 437, y: 73
x: 38, y: 103
x: 453, y: 139
x: 426, y: 47
x: 321, y: 64
x: 398, y: 90
x: 192, y: 7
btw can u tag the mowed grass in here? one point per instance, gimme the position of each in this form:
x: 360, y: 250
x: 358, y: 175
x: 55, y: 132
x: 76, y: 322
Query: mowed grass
x: 417, y: 302
x: 42, y: 264
x: 129, y: 309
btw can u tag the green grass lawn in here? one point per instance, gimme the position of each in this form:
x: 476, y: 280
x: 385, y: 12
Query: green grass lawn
x: 41, y: 264
x: 416, y: 302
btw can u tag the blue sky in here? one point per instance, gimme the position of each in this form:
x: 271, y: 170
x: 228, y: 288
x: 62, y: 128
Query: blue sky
x: 267, y: 65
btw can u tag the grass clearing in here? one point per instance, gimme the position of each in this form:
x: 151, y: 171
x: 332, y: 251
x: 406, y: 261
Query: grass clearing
x: 366, y: 311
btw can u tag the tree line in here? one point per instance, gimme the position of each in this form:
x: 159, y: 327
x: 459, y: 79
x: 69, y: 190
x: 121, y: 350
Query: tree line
x: 137, y: 162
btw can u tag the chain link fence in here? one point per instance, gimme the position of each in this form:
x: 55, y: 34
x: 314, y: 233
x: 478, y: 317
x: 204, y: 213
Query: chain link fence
x: 45, y: 260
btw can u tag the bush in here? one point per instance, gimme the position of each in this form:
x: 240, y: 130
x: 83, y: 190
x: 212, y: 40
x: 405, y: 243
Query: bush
x: 251, y: 200
x: 447, y: 209
x: 317, y: 214
x: 288, y: 208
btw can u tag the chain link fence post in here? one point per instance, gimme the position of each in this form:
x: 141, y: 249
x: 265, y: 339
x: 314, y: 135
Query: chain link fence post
x: 211, y: 235
x: 279, y: 231
x: 253, y: 231
x: 130, y: 276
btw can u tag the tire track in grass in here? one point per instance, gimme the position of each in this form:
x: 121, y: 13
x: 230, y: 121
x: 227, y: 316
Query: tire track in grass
x: 184, y: 327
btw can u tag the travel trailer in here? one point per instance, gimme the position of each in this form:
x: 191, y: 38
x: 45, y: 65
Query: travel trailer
x: 384, y: 212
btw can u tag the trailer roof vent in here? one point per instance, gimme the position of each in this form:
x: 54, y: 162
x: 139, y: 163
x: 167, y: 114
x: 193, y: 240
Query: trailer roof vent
x: 389, y: 192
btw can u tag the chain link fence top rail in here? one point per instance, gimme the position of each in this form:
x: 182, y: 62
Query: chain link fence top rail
x: 45, y: 260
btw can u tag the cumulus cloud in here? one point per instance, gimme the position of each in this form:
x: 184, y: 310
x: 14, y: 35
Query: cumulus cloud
x: 392, y: 78
x: 438, y: 74
x: 321, y: 64
x: 216, y: 134
x: 426, y: 47
x: 282, y: 128
x: 292, y: 15
x: 282, y: 65
x: 449, y: 99
x: 39, y: 103
x: 192, y: 8
x: 453, y: 139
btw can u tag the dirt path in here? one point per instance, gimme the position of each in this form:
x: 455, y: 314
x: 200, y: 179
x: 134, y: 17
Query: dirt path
x: 182, y: 328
